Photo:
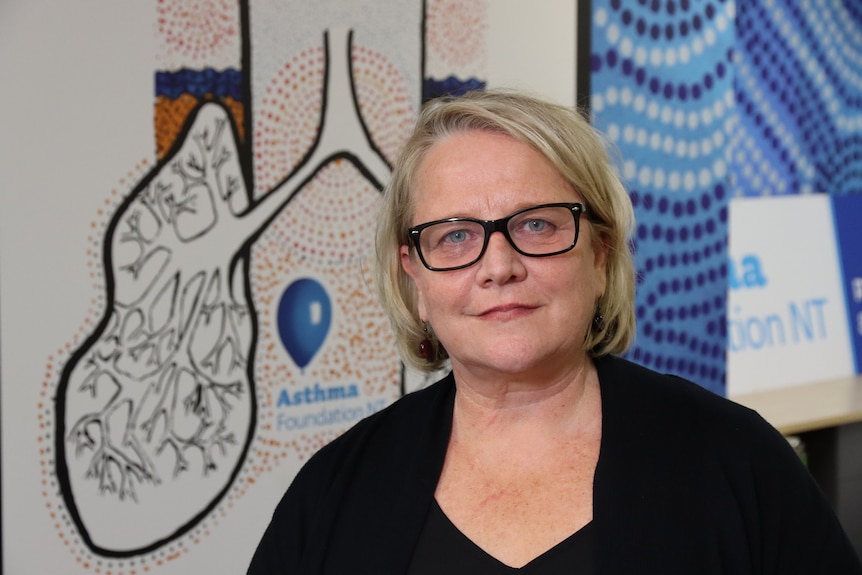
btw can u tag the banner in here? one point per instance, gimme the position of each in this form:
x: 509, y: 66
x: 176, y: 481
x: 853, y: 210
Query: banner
x: 787, y: 318
x: 187, y: 212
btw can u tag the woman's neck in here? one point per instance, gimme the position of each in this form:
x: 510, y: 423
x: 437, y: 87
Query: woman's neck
x: 509, y: 404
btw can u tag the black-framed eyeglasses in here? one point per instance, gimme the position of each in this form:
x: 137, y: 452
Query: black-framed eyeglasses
x: 537, y: 231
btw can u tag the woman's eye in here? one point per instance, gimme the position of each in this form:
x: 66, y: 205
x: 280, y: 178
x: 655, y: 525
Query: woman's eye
x: 537, y: 225
x: 455, y: 237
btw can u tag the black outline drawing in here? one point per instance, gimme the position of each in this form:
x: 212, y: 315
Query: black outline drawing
x: 158, y: 303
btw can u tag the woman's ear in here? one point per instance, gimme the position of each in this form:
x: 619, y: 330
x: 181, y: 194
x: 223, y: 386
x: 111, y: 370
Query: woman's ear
x: 410, y: 267
x: 407, y: 263
x: 600, y: 262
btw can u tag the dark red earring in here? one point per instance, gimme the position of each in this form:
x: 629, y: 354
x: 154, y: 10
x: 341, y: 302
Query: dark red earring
x: 599, y: 321
x: 425, y: 345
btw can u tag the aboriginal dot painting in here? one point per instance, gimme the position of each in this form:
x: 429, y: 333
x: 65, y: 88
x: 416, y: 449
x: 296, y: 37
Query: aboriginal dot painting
x: 662, y: 91
x: 708, y: 100
x: 234, y: 327
x: 798, y: 89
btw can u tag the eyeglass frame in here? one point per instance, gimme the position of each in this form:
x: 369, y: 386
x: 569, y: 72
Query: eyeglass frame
x: 500, y: 225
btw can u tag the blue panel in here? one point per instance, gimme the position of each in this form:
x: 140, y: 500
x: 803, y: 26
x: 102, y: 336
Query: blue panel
x: 661, y: 83
x: 799, y: 98
x: 848, y: 230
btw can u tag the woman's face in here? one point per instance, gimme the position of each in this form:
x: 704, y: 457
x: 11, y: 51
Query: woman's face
x: 507, y: 313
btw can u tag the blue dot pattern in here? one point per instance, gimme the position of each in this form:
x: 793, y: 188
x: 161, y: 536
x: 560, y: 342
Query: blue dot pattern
x: 199, y: 83
x: 798, y: 89
x: 662, y: 91
x: 450, y: 86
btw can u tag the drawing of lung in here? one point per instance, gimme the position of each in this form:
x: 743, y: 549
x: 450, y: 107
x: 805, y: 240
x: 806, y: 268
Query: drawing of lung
x: 156, y: 410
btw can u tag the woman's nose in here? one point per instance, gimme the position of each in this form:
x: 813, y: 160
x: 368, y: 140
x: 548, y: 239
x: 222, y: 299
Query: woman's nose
x: 501, y: 263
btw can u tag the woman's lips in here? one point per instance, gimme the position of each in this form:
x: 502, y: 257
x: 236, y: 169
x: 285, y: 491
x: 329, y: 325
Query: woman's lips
x: 507, y: 311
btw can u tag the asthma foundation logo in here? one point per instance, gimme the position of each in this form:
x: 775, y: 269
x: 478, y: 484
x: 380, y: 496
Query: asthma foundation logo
x: 778, y: 321
x: 304, y: 318
x: 319, y: 406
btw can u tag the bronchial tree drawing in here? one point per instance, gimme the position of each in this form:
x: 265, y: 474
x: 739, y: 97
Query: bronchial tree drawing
x: 155, y: 412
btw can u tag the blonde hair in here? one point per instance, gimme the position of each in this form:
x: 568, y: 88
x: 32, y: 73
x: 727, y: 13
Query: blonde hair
x: 575, y: 149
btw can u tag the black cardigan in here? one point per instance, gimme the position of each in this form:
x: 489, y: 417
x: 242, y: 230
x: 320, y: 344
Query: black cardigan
x: 687, y: 482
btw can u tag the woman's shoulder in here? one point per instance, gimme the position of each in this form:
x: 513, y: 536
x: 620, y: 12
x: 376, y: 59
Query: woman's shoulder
x: 672, y: 449
x: 634, y: 386
x: 674, y: 419
x: 668, y: 406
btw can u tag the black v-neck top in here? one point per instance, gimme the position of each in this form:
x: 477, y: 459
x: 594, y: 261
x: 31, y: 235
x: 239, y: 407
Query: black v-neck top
x: 442, y: 548
x: 687, y: 482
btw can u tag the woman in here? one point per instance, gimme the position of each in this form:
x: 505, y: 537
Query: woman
x: 541, y: 451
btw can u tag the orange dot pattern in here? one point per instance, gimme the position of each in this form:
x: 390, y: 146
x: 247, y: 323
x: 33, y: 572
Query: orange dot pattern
x: 171, y: 114
x: 197, y: 33
x: 287, y: 120
x: 384, y: 100
x: 332, y: 220
x: 456, y: 32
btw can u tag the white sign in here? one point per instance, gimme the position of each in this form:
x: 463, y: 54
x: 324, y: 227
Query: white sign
x: 786, y: 315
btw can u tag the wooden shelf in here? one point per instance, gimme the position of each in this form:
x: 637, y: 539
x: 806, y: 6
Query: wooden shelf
x: 808, y: 407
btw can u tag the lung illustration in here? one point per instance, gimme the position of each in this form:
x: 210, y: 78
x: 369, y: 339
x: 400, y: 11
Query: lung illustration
x: 156, y: 410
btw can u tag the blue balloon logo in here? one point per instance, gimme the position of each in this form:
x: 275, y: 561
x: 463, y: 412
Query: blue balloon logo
x: 304, y: 316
